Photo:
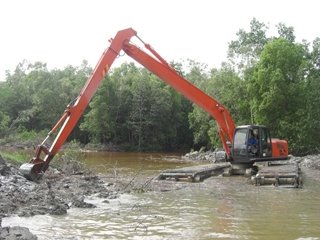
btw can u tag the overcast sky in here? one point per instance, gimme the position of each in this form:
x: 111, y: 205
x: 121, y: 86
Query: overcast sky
x: 63, y: 32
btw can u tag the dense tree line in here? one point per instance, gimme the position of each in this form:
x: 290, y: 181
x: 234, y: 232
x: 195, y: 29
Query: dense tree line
x: 274, y: 81
x: 135, y: 108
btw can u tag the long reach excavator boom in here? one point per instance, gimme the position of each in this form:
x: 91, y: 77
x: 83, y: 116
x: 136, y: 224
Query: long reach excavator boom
x: 157, y: 65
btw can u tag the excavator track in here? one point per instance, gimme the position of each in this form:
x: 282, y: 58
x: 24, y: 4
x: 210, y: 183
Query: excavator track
x: 284, y: 175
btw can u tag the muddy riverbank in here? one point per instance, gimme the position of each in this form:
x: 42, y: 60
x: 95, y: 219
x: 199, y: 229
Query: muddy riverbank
x: 60, y: 190
x: 54, y: 194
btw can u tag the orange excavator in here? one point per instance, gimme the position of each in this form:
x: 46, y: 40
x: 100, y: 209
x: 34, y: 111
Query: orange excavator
x: 242, y: 145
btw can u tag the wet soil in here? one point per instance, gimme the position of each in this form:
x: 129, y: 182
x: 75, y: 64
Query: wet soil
x: 310, y: 166
x: 54, y: 194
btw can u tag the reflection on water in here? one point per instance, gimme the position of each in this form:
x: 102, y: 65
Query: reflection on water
x: 218, y: 208
x: 131, y: 162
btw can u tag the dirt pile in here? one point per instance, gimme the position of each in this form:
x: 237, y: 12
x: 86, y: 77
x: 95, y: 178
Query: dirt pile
x: 309, y: 161
x: 310, y: 166
x: 14, y: 233
x: 206, y: 156
x: 55, y: 193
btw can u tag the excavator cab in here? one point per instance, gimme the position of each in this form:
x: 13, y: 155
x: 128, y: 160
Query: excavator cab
x: 253, y: 143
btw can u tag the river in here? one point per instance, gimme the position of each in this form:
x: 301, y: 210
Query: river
x: 218, y: 208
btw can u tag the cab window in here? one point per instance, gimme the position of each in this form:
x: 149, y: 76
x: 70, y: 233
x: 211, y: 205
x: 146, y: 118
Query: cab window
x: 240, y: 138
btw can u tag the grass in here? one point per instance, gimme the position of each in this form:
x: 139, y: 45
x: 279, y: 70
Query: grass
x: 15, y: 157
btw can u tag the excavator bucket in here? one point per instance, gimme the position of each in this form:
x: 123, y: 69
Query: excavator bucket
x: 32, y: 171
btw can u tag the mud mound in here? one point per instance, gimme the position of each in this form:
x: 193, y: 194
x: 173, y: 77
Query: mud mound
x: 4, y: 169
x: 16, y: 233
x: 310, y: 161
x: 206, y: 156
x: 54, y: 194
x: 310, y: 166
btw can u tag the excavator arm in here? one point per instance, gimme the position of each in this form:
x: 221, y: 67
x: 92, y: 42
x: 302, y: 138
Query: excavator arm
x: 155, y: 64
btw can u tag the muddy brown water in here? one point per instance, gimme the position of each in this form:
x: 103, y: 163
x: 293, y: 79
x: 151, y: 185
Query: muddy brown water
x: 218, y: 208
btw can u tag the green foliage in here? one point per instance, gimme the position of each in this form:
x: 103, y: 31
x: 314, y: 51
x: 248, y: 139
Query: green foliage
x: 107, y: 118
x: 4, y: 124
x: 282, y: 82
x: 244, y: 51
x: 286, y: 32
x: 134, y: 108
x: 198, y: 119
x: 70, y: 160
x: 199, y: 123
x: 230, y: 90
x: 276, y: 88
x: 27, y: 135
x: 15, y: 157
x: 269, y: 80
x: 34, y: 98
x: 311, y: 123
